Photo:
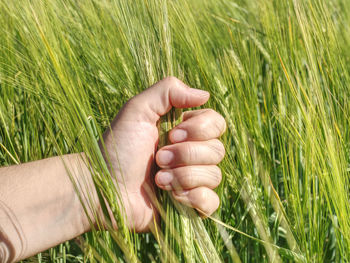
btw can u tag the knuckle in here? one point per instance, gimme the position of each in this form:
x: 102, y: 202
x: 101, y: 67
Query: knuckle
x: 219, y: 174
x: 217, y: 203
x: 214, y: 205
x: 216, y: 175
x: 218, y: 148
x: 218, y: 128
x: 221, y: 124
x: 202, y: 202
x: 212, y: 123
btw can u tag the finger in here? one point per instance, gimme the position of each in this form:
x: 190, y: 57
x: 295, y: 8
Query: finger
x: 188, y: 177
x: 190, y: 153
x: 158, y: 99
x: 203, y: 199
x: 203, y: 125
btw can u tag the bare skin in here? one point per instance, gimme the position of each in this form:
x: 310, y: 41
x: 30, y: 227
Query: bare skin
x: 39, y: 207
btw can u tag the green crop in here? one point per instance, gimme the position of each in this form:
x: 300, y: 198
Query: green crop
x: 278, y: 71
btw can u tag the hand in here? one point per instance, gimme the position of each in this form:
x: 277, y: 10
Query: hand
x: 188, y: 165
x: 39, y: 207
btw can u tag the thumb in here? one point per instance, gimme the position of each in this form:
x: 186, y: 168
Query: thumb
x: 158, y: 99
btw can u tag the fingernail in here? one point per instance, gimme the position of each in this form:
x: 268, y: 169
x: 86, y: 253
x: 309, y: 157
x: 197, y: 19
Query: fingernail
x: 165, y: 157
x: 164, y: 178
x: 199, y: 92
x: 178, y: 135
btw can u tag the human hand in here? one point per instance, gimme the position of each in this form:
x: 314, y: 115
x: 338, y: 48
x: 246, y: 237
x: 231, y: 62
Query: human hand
x: 188, y: 165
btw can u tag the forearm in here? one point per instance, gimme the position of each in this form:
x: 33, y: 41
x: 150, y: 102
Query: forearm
x: 39, y: 207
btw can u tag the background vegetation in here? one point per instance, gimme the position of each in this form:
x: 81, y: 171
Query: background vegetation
x: 277, y: 70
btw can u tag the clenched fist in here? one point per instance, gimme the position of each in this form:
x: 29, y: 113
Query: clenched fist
x: 188, y: 165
